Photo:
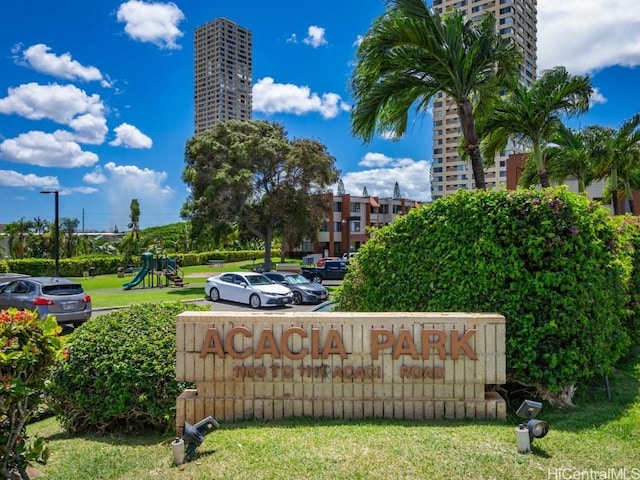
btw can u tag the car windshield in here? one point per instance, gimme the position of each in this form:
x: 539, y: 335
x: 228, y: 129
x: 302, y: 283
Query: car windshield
x: 258, y: 280
x: 297, y: 279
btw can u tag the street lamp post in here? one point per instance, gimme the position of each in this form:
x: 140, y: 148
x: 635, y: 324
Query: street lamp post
x: 56, y: 238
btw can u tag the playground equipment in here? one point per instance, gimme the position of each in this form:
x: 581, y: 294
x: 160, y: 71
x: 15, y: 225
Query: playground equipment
x: 157, y: 272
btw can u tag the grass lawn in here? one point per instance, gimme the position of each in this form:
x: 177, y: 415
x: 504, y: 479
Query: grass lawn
x: 106, y: 290
x: 599, y: 437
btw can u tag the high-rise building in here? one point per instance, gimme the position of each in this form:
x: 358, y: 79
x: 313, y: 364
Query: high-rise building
x: 222, y: 73
x: 516, y: 19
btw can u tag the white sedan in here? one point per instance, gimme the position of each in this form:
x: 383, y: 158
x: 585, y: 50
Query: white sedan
x: 252, y: 288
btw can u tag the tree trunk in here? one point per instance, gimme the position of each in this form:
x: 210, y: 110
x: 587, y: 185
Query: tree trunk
x: 614, y: 189
x: 472, y: 147
x: 544, y: 179
x: 267, y: 249
x: 540, y: 166
x: 629, y: 195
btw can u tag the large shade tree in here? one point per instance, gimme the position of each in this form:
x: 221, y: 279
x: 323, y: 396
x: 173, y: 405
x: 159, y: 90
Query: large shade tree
x: 243, y: 172
x: 411, y: 53
x: 532, y: 114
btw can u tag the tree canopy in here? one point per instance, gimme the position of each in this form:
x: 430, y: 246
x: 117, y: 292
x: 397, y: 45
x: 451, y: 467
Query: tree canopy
x: 249, y: 173
x: 411, y: 53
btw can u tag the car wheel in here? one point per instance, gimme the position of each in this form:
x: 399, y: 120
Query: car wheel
x: 317, y: 279
x: 214, y: 295
x: 254, y: 301
x: 297, y: 298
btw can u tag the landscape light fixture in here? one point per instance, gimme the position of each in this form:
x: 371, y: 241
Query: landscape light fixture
x: 193, y: 435
x: 526, y: 432
x: 56, y: 244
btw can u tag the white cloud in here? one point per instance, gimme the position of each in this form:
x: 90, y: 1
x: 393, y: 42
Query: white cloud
x: 129, y: 136
x: 372, y: 159
x: 413, y: 177
x: 270, y: 97
x: 64, y: 104
x: 316, y: 37
x: 11, y: 178
x: 46, y: 150
x: 293, y: 38
x: 588, y: 35
x: 82, y: 190
x: 125, y: 182
x: 96, y: 177
x: 155, y: 23
x: 358, y: 41
x: 63, y: 66
x: 597, y: 97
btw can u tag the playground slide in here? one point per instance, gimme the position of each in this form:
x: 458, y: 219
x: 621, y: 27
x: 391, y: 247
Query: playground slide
x: 138, y: 278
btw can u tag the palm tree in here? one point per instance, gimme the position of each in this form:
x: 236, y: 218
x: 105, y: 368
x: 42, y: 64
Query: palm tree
x: 411, y: 53
x: 570, y: 155
x: 618, y: 156
x: 531, y: 115
x: 68, y: 227
x: 19, y: 233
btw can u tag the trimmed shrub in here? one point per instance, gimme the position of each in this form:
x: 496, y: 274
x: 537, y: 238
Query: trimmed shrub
x: 29, y: 349
x: 628, y: 246
x: 545, y: 259
x: 4, y: 266
x: 120, y: 375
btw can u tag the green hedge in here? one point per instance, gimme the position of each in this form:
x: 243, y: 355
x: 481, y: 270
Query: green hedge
x: 120, y: 375
x: 106, y: 264
x: 546, y: 259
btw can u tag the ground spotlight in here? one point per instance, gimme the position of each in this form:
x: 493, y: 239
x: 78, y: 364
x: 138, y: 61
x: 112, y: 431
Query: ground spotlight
x: 526, y: 432
x: 193, y: 435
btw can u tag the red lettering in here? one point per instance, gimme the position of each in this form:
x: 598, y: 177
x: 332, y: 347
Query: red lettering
x: 212, y: 344
x: 228, y: 343
x: 267, y: 344
x: 381, y: 338
x: 284, y: 345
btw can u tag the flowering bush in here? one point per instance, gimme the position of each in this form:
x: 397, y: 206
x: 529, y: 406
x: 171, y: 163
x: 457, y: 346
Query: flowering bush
x: 29, y: 349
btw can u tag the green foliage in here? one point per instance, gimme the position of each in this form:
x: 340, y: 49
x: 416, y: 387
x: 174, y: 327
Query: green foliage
x: 247, y: 173
x: 4, y: 266
x: 628, y: 247
x: 120, y: 375
x: 29, y: 349
x: 69, y: 267
x: 545, y: 259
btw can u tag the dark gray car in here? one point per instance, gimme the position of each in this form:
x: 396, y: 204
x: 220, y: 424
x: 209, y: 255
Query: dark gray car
x: 304, y: 290
x: 60, y: 297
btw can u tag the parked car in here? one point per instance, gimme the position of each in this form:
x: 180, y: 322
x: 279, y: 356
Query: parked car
x: 348, y: 256
x: 324, y: 307
x: 331, y: 270
x: 63, y: 298
x: 304, y: 290
x: 321, y: 261
x: 252, y: 288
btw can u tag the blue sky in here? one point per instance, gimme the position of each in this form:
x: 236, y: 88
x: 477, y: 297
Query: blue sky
x: 96, y: 98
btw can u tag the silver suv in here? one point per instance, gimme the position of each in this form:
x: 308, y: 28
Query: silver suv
x: 60, y: 297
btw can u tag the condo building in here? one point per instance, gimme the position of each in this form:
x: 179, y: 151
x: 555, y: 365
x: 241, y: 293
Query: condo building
x: 515, y: 19
x: 222, y: 73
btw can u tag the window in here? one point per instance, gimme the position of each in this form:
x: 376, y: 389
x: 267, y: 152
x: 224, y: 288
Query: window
x: 355, y: 207
x: 337, y: 206
x: 337, y: 226
x: 397, y: 209
x: 355, y: 226
x: 384, y: 208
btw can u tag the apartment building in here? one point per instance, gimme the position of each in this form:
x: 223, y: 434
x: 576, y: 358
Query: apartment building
x: 351, y: 219
x: 515, y: 19
x: 222, y: 73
